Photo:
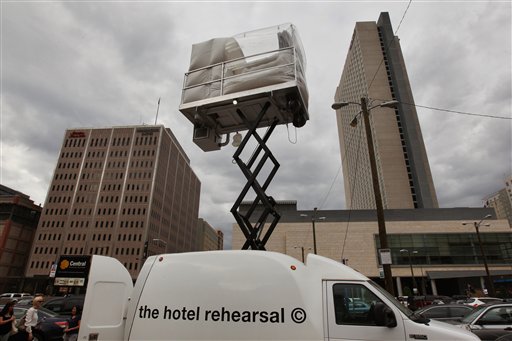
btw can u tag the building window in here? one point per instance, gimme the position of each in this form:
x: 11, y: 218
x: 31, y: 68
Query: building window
x: 449, y: 248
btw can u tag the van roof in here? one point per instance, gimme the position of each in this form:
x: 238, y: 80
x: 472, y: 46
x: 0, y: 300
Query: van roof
x: 322, y: 267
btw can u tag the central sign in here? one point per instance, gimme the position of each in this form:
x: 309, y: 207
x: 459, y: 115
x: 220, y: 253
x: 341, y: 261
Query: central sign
x: 72, y: 270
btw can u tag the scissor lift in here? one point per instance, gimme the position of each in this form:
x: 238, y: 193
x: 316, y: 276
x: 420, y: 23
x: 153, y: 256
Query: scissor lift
x: 232, y: 86
x: 252, y: 232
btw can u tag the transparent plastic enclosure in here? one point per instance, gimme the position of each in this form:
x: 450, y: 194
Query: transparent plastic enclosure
x: 244, y: 72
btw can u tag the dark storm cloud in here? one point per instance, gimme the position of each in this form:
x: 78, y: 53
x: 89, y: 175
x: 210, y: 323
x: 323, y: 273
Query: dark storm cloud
x: 141, y: 34
x: 463, y: 67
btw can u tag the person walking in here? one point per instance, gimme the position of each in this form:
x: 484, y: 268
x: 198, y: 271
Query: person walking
x: 6, y: 320
x: 71, y: 332
x: 31, y: 317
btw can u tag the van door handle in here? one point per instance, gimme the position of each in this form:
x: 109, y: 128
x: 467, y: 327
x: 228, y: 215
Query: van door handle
x: 508, y: 328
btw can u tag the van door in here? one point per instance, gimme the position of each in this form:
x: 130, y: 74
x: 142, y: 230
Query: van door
x: 108, y: 289
x: 349, y: 313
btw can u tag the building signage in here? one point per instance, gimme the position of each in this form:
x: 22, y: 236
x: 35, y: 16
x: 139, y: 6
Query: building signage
x: 147, y: 131
x: 72, y: 270
x: 69, y: 282
x: 385, y: 256
x: 53, y: 270
x: 77, y: 134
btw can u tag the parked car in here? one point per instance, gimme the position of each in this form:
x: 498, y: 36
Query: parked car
x: 27, y: 300
x: 4, y: 298
x: 12, y: 295
x: 63, y: 305
x: 490, y: 321
x: 451, y: 313
x: 50, y: 326
x: 477, y: 301
x: 358, y: 306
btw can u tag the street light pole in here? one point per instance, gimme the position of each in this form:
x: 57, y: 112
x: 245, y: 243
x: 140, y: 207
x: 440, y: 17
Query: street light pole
x: 302, y: 251
x: 314, y: 231
x: 313, y: 220
x: 484, y: 258
x: 383, y: 238
x: 414, y: 286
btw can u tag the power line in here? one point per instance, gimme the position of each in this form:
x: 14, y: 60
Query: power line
x: 458, y: 112
x: 450, y: 110
x: 352, y: 191
x: 330, y: 189
x: 352, y: 185
x: 403, y: 16
x: 389, y: 45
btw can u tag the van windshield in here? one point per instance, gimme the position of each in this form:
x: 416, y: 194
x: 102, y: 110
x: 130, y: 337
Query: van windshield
x: 409, y: 313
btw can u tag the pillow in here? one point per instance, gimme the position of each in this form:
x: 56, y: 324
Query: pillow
x: 214, y: 51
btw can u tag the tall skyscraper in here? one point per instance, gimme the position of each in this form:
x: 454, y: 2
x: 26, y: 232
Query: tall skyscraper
x: 375, y: 69
x: 125, y: 192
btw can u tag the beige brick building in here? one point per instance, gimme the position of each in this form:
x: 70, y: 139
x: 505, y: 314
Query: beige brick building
x: 447, y: 253
x: 115, y: 190
x: 375, y: 69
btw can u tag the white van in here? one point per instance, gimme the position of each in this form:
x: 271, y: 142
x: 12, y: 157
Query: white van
x: 246, y: 295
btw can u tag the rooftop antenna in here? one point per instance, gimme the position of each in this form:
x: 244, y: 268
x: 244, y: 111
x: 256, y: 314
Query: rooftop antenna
x: 157, y: 108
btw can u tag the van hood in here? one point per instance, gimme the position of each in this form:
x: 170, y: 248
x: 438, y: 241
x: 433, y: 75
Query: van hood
x: 436, y: 330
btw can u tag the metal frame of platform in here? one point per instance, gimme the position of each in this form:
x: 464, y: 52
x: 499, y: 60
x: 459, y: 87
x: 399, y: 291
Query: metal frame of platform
x: 255, y: 238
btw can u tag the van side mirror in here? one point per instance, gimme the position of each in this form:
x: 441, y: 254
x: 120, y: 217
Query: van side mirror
x: 384, y: 316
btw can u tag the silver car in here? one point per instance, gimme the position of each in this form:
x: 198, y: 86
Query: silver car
x: 490, y: 321
x: 477, y: 301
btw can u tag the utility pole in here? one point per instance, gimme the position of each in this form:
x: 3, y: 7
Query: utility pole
x: 313, y: 220
x: 314, y: 231
x: 414, y: 286
x: 492, y: 293
x: 302, y: 250
x: 383, y: 238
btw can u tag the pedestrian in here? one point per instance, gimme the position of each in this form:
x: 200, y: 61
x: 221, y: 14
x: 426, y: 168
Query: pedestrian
x: 6, y: 320
x: 31, y: 317
x: 71, y: 332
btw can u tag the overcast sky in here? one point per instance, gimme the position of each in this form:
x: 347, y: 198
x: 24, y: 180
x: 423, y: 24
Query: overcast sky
x: 100, y: 64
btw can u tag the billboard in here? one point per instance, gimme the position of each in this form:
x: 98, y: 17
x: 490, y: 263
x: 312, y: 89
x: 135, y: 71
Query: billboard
x: 72, y: 270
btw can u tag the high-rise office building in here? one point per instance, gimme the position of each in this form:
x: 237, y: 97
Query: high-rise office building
x: 125, y: 192
x: 501, y: 201
x: 375, y: 69
x: 212, y: 239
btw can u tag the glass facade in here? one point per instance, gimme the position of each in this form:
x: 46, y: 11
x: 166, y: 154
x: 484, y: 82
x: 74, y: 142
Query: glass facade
x: 449, y: 248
